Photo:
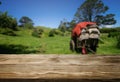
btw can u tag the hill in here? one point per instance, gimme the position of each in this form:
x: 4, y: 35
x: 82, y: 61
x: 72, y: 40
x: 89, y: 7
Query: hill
x: 25, y: 43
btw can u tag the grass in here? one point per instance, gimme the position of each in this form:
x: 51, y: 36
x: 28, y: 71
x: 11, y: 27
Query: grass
x: 25, y: 43
x: 109, y: 46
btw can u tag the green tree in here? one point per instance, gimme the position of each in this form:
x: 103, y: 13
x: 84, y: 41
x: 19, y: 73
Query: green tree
x: 71, y: 25
x: 105, y: 20
x: 63, y: 25
x: 7, y: 21
x: 26, y: 22
x: 93, y: 10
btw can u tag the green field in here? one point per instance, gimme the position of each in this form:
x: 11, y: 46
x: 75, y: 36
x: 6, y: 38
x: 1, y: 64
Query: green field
x: 25, y: 43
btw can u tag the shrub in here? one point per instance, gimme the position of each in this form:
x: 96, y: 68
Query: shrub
x: 37, y: 32
x: 52, y: 33
x: 7, y: 31
x: 108, y: 30
x: 113, y: 34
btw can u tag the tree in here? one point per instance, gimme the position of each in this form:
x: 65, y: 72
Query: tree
x: 26, y: 21
x: 63, y: 25
x: 7, y: 21
x: 105, y: 20
x: 71, y: 25
x: 93, y: 10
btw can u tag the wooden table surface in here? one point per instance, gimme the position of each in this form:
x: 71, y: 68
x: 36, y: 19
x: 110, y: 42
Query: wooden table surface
x: 59, y: 67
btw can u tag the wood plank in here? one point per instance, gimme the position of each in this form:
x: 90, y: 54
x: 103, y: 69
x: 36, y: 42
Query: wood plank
x: 59, y: 67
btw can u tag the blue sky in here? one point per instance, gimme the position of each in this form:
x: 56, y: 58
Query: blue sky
x: 50, y: 12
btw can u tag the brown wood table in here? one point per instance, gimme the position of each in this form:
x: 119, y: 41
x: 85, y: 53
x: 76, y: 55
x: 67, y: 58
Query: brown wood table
x: 59, y: 68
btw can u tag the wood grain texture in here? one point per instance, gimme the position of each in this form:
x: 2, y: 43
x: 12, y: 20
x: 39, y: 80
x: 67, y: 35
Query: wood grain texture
x: 59, y: 67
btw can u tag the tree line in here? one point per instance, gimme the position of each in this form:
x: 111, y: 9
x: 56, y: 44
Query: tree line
x: 10, y: 22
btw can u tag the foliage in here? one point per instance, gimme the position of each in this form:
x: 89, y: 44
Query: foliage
x: 71, y: 25
x: 118, y: 41
x: 26, y: 21
x: 64, y: 25
x: 109, y: 30
x: 7, y: 21
x: 105, y: 20
x: 116, y: 35
x: 10, y: 49
x: 54, y: 32
x: 92, y: 10
x: 113, y: 34
x: 7, y: 31
x: 38, y: 32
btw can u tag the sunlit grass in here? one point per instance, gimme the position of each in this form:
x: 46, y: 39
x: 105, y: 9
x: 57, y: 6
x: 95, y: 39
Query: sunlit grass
x: 53, y: 45
x: 109, y: 46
